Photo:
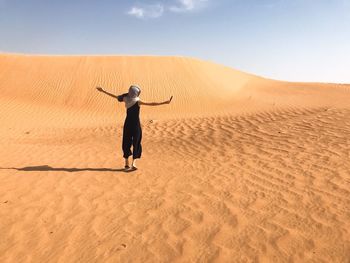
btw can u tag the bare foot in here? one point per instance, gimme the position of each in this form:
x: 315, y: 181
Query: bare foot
x: 133, y: 165
x: 127, y: 166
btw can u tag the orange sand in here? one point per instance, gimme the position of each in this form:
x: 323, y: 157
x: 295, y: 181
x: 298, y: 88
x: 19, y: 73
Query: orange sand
x: 237, y: 168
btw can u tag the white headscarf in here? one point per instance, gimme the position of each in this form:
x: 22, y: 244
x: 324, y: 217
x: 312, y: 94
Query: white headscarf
x: 133, y: 96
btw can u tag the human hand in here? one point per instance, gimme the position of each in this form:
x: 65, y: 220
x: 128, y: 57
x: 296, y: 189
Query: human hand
x: 99, y: 89
x: 168, y: 101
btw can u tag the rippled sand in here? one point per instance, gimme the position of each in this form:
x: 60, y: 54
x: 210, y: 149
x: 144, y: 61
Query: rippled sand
x: 237, y: 169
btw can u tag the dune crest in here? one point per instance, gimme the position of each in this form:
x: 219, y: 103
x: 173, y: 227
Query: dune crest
x: 61, y: 89
x: 67, y: 84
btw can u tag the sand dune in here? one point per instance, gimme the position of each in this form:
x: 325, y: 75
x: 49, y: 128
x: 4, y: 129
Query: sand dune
x: 237, y: 169
x: 64, y: 87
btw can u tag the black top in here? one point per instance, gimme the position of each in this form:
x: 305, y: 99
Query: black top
x: 133, y: 113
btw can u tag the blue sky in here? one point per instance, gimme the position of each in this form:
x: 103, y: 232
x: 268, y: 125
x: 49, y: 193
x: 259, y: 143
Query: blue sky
x: 298, y: 40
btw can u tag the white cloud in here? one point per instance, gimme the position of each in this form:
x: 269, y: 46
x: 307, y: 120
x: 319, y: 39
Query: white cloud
x: 147, y: 11
x: 136, y: 11
x: 188, y: 5
x: 144, y: 11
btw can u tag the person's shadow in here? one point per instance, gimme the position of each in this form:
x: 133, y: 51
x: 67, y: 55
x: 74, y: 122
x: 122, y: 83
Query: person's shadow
x: 71, y: 170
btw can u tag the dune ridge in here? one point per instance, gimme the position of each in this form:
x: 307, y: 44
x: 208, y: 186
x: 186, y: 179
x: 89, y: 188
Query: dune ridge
x: 68, y: 83
x: 62, y: 89
x: 237, y: 169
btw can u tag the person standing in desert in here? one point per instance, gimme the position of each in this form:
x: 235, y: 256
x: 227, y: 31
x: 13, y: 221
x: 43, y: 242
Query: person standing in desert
x: 132, y: 132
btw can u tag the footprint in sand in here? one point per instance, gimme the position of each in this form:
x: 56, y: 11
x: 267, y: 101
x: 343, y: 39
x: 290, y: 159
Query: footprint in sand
x: 121, y: 247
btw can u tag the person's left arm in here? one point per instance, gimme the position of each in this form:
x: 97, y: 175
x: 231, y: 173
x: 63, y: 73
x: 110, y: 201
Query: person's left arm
x: 155, y: 103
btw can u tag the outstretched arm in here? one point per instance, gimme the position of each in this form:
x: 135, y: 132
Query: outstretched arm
x: 105, y: 92
x: 155, y: 103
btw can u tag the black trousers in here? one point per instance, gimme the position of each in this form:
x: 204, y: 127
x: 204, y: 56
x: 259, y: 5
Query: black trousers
x: 132, y: 135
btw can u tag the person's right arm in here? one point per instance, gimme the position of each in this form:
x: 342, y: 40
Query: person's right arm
x: 109, y: 94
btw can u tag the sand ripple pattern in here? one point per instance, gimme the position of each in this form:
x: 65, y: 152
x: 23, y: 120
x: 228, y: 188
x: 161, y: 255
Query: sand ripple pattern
x: 272, y: 186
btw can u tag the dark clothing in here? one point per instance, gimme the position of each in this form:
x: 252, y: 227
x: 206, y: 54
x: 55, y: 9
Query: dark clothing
x: 121, y: 97
x: 132, y: 133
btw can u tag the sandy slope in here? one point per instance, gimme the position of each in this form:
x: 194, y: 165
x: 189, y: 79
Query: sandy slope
x: 237, y: 169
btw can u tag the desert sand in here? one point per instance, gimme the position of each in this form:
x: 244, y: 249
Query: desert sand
x: 238, y: 168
